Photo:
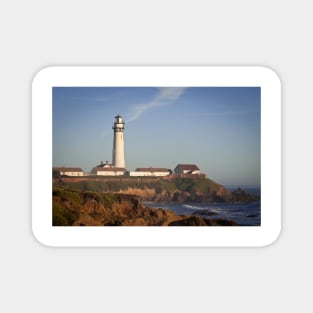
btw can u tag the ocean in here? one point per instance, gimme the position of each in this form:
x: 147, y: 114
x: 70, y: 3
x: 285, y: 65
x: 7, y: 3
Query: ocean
x: 245, y: 214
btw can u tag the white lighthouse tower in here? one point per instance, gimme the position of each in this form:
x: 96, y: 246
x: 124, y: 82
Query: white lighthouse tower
x: 118, y: 142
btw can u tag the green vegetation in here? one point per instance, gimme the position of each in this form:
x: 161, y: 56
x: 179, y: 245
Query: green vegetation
x: 107, y: 199
x: 65, y: 207
x: 194, y: 186
x: 93, y: 203
x: 62, y: 216
x: 98, y: 203
x: 68, y: 202
x: 199, y: 185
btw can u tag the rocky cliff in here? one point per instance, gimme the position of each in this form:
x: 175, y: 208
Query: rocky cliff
x: 219, y: 194
x: 164, y: 190
x: 77, y: 208
x: 181, y: 190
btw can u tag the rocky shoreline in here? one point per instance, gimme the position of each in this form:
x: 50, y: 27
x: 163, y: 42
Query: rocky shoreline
x: 78, y: 208
x: 220, y: 195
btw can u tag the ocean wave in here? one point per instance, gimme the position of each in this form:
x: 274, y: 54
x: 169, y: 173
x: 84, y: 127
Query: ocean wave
x: 188, y: 206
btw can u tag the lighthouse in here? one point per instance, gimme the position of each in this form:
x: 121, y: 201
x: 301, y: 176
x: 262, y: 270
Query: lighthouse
x: 118, y: 143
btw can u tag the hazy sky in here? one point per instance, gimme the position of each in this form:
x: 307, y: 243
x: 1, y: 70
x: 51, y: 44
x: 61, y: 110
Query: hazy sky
x: 216, y: 128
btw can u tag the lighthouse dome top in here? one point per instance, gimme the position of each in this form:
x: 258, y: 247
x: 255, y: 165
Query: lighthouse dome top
x: 119, y: 119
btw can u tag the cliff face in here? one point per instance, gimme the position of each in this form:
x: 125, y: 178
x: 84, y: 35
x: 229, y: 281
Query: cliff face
x: 221, y: 194
x: 161, y: 190
x: 73, y: 208
x: 218, y: 194
x: 125, y: 211
x: 151, y: 194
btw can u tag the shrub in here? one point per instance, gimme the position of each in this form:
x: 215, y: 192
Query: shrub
x: 62, y: 216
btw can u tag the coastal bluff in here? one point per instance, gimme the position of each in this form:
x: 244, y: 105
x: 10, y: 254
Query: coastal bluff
x: 181, y: 190
x: 85, y: 208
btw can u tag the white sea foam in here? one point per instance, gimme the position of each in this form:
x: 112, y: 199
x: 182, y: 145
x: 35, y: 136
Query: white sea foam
x: 192, y: 207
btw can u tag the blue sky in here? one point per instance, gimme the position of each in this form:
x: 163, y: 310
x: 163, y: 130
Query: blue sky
x: 216, y: 128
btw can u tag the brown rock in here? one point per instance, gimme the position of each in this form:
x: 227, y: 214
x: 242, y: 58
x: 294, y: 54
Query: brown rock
x: 105, y: 209
x: 196, y: 221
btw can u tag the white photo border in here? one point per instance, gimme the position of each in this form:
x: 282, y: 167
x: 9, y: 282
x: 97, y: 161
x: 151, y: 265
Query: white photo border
x: 144, y: 76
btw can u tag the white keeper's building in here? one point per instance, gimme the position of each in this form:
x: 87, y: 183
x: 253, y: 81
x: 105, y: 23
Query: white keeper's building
x: 67, y: 171
x: 149, y: 172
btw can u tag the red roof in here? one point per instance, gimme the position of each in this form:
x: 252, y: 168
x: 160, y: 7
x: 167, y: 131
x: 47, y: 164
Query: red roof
x: 67, y: 169
x: 188, y: 167
x: 151, y: 169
